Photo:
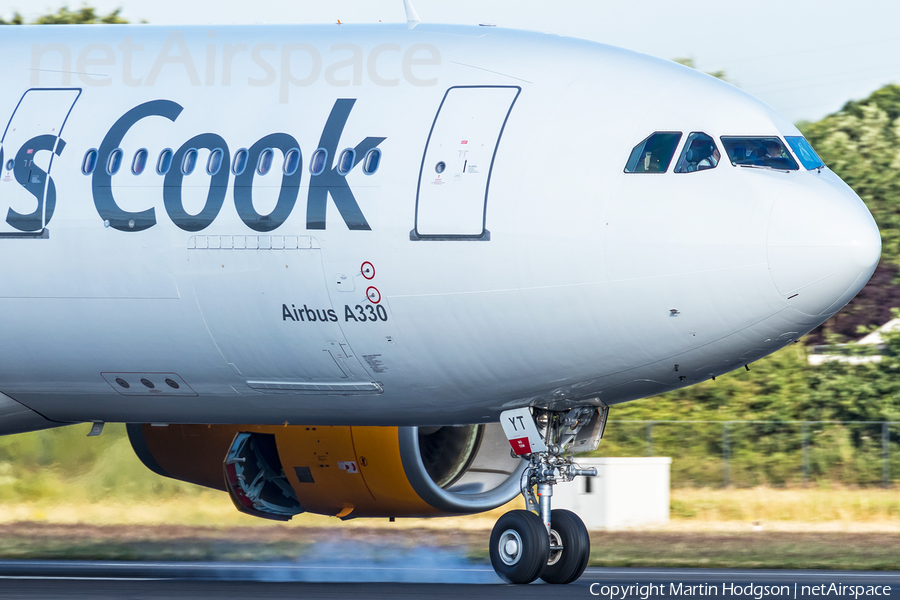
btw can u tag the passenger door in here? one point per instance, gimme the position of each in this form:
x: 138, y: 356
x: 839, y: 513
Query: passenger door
x: 31, y: 140
x: 455, y: 176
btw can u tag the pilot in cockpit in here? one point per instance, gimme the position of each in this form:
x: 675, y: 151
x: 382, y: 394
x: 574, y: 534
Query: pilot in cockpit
x: 700, y: 155
x: 773, y: 149
x: 774, y: 156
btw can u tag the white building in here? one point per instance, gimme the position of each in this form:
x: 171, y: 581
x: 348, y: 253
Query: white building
x: 867, y: 350
x: 627, y: 492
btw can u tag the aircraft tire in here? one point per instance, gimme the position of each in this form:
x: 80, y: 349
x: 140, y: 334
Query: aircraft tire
x: 519, y: 546
x: 567, y: 565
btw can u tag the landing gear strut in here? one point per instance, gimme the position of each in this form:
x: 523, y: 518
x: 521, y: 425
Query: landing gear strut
x: 540, y: 542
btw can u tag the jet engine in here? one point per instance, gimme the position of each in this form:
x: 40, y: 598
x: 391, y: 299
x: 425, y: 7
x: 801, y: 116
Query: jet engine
x: 276, y: 472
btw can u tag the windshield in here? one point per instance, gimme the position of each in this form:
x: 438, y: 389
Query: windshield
x: 767, y: 152
x: 654, y: 154
x: 804, y: 151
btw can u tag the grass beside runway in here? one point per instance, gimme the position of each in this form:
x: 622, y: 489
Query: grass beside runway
x: 815, y: 506
x: 818, y: 509
x: 746, y: 550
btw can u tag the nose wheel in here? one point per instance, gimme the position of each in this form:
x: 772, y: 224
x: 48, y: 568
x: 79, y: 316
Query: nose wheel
x: 570, y: 548
x: 519, y: 547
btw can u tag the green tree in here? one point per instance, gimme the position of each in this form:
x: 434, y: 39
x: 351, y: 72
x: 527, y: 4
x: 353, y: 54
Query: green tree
x: 689, y: 62
x: 764, y: 405
x: 64, y: 16
x: 861, y: 143
x: 16, y: 20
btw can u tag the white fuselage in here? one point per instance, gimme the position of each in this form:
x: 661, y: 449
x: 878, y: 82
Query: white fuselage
x: 531, y: 270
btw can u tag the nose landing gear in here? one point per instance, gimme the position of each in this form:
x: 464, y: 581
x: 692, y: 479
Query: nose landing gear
x: 540, y: 542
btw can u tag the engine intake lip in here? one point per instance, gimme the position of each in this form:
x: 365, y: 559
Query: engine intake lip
x: 459, y: 501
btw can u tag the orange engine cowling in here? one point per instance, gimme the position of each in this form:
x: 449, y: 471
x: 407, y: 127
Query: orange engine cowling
x: 276, y: 472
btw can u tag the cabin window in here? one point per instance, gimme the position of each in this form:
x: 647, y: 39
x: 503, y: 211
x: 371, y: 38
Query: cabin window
x: 115, y: 161
x: 10, y: 164
x: 371, y: 161
x: 654, y: 154
x: 699, y: 154
x: 165, y: 162
x: 214, y: 164
x: 87, y: 165
x: 804, y: 151
x: 189, y: 162
x: 317, y: 164
x: 139, y: 163
x: 239, y: 164
x: 346, y: 161
x: 762, y: 152
x: 266, y: 157
x: 292, y: 161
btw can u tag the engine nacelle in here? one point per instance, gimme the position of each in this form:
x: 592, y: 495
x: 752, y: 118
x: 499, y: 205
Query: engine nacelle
x: 276, y: 472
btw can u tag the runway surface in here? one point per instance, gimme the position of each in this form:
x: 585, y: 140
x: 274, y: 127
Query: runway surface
x: 48, y: 580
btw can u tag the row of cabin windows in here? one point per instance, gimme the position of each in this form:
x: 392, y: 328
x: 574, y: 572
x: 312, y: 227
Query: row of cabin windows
x: 292, y: 159
x: 655, y: 153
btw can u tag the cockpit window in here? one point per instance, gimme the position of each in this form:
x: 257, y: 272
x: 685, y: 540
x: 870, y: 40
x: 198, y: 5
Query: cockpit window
x: 804, y: 151
x: 700, y: 153
x: 765, y: 152
x: 654, y: 154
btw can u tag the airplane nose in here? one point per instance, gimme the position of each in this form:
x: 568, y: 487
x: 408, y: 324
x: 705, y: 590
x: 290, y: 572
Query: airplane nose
x: 823, y: 246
